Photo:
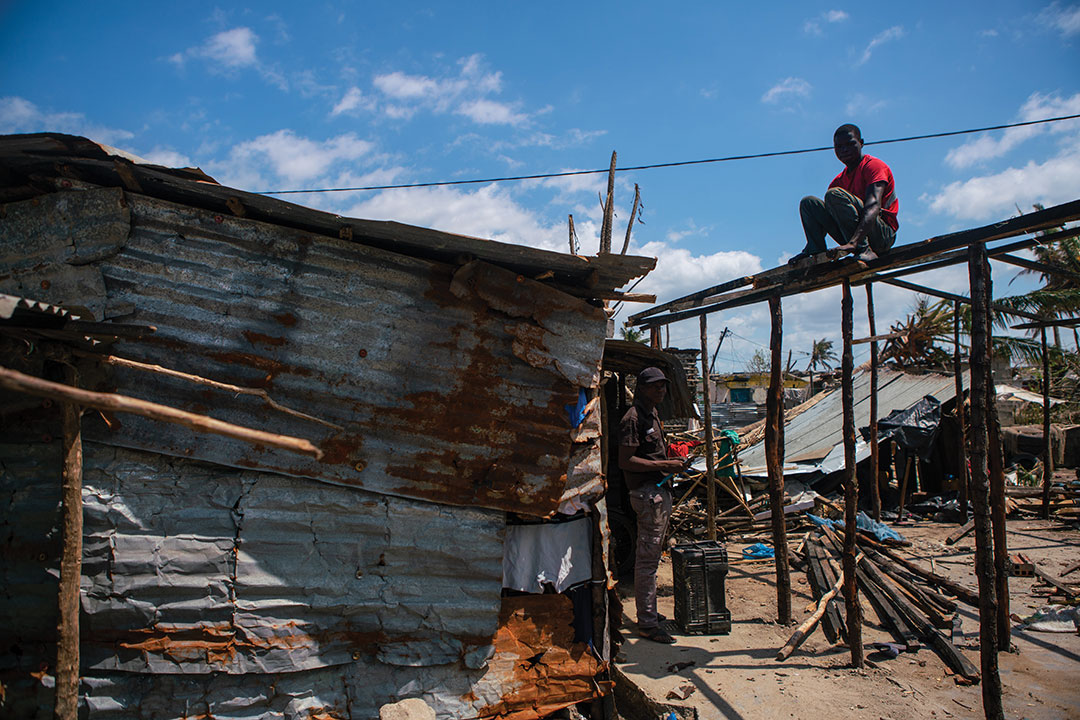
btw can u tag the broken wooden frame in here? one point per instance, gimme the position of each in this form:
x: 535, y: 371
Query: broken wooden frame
x: 824, y: 271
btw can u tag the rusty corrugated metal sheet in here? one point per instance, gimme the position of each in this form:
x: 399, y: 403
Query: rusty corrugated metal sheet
x: 231, y: 593
x: 447, y: 384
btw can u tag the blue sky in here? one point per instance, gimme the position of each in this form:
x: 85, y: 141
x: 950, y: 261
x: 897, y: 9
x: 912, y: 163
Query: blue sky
x: 270, y: 96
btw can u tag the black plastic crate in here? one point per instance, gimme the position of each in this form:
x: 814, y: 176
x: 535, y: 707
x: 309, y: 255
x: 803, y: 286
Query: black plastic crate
x: 700, y: 570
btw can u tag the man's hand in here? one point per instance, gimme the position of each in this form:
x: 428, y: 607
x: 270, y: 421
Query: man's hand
x: 870, y: 211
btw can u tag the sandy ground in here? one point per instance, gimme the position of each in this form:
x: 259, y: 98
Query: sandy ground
x: 736, y: 676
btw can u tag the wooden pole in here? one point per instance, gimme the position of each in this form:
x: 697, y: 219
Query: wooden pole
x: 710, y: 449
x: 633, y: 214
x: 1048, y: 447
x: 774, y: 458
x: 573, y: 247
x: 609, y: 209
x: 909, y: 462
x: 995, y: 466
x: 20, y: 382
x: 980, y: 487
x: 958, y: 378
x: 875, y: 485
x: 851, y: 486
x: 67, y: 630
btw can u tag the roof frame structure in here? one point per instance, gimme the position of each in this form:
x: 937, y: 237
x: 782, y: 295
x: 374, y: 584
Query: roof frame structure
x: 825, y: 270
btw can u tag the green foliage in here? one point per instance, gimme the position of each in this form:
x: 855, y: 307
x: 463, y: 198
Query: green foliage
x: 759, y: 363
x: 633, y: 334
x: 822, y: 355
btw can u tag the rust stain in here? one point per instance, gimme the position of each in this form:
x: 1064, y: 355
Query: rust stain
x: 538, y: 662
x: 287, y: 319
x: 259, y: 339
x: 258, y: 361
x: 342, y: 448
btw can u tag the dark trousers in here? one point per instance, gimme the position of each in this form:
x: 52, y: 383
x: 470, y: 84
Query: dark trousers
x: 653, y: 508
x: 838, y: 216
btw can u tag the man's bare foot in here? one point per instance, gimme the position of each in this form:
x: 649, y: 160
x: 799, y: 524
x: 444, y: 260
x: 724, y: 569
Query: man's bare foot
x: 867, y: 255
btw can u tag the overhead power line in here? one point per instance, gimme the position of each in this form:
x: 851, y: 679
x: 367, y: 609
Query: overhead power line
x: 681, y: 163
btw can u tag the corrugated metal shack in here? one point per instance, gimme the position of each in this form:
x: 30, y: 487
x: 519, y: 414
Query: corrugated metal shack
x: 448, y: 382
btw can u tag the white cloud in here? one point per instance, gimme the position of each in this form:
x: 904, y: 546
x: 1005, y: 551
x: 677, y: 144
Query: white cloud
x: 893, y: 33
x: 284, y: 156
x: 354, y: 99
x: 466, y: 94
x: 813, y: 25
x: 1037, y: 107
x: 232, y: 48
x: 679, y: 272
x: 1065, y: 20
x: 167, y: 158
x: 400, y: 86
x: 489, y: 112
x: 996, y: 196
x: 19, y: 115
x: 488, y: 212
x: 788, y: 87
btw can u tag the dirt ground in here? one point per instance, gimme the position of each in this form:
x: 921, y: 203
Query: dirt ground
x: 737, y: 677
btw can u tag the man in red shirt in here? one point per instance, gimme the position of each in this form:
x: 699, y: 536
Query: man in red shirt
x: 860, y: 206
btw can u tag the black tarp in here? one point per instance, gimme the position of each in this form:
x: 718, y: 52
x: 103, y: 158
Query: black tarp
x: 913, y: 429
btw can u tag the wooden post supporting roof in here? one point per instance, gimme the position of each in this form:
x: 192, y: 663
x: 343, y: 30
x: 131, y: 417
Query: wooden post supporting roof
x: 980, y: 488
x: 958, y: 377
x: 710, y: 449
x: 996, y: 475
x: 1048, y: 445
x: 851, y: 486
x: 875, y: 484
x: 67, y: 629
x: 774, y: 459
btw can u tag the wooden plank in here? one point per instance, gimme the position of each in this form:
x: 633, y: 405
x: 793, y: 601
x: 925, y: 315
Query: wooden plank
x: 954, y: 297
x: 1038, y: 267
x: 962, y: 532
x: 30, y: 385
x: 948, y: 652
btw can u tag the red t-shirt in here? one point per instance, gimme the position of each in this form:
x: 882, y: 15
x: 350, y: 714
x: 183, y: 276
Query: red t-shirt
x: 870, y: 171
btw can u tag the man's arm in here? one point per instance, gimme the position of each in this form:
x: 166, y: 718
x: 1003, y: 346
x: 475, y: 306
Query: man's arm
x: 632, y: 463
x: 871, y: 210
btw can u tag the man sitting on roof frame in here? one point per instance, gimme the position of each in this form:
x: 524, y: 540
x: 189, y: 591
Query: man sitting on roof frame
x: 860, y: 206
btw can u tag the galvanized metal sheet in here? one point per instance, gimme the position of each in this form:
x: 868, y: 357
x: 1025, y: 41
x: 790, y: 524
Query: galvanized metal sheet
x: 194, y: 568
x: 447, y: 385
x: 820, y: 428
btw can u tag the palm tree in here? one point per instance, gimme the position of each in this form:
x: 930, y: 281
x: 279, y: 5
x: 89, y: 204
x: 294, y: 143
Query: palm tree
x: 919, y: 333
x: 633, y: 334
x: 823, y: 355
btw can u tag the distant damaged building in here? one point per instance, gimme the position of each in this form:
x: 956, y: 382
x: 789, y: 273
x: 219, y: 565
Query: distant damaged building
x: 444, y: 386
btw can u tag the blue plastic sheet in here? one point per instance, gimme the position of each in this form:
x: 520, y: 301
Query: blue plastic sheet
x: 758, y: 551
x: 862, y: 522
x: 576, y: 411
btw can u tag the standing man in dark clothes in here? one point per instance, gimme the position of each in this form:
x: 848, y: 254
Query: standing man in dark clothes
x: 646, y: 468
x: 860, y: 206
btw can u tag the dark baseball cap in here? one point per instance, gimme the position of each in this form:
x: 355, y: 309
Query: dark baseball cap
x: 651, y: 375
